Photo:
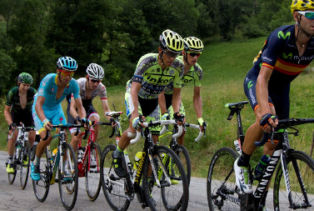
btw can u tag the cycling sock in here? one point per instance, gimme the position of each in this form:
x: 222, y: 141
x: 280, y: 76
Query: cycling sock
x: 244, y: 159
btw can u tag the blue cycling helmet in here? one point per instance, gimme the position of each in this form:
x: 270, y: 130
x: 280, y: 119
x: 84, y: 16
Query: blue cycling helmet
x: 67, y: 63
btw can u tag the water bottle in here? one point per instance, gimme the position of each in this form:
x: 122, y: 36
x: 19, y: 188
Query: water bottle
x: 17, y: 151
x: 54, y: 153
x: 261, y: 166
x: 137, y: 158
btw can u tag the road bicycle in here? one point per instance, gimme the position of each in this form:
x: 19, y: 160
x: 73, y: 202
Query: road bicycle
x: 21, y: 157
x: 59, y: 166
x: 180, y: 150
x: 159, y: 180
x: 89, y: 157
x: 293, y: 182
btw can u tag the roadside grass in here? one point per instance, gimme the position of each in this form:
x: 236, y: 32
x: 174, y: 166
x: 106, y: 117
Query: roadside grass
x: 225, y: 65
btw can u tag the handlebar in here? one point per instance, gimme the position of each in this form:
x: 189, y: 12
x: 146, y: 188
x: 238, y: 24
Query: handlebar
x: 284, y: 124
x: 158, y: 122
x: 195, y: 126
x: 63, y: 127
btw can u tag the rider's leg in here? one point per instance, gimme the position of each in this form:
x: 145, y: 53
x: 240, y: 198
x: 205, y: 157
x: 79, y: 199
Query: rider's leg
x: 11, y: 147
x: 95, y: 117
x: 31, y: 137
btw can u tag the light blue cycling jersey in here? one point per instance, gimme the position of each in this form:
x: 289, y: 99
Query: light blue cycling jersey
x: 52, y: 106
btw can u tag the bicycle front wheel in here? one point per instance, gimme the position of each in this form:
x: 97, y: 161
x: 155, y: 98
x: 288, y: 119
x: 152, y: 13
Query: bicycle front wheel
x: 92, y: 176
x: 68, y: 179
x: 221, y: 184
x: 173, y: 189
x: 113, y: 186
x: 24, y: 165
x: 41, y: 187
x: 300, y: 168
x: 184, y: 157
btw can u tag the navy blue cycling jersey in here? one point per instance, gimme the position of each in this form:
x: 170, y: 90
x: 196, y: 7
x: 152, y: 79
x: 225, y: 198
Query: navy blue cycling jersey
x: 280, y: 53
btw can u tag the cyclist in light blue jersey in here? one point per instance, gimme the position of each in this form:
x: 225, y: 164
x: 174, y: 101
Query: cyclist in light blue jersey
x: 47, y: 110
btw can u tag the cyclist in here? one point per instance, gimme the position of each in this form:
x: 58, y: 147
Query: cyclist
x: 90, y: 87
x: 18, y: 108
x: 47, y: 109
x: 154, y: 71
x: 287, y: 52
x: 193, y: 73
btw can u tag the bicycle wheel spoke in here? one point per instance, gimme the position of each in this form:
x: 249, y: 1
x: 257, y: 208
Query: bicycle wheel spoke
x: 114, y: 188
x: 221, y: 188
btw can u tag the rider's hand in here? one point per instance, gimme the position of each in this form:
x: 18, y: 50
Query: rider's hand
x: 86, y: 122
x: 179, y: 118
x: 12, y: 126
x: 113, y: 122
x: 202, y: 124
x: 267, y: 121
x: 47, y: 124
x: 77, y: 120
x: 137, y: 122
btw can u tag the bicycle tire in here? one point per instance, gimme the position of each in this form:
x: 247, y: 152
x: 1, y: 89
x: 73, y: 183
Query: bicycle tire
x: 41, y: 187
x: 306, y: 169
x: 92, y: 176
x: 24, y: 168
x: 173, y: 196
x: 184, y: 157
x: 112, y: 185
x: 68, y: 181
x: 221, y: 178
x: 12, y: 176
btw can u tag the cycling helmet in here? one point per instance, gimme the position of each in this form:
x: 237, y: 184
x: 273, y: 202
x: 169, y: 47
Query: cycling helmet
x: 302, y: 5
x: 25, y: 78
x: 95, y: 71
x: 171, y: 41
x: 193, y: 44
x: 67, y: 63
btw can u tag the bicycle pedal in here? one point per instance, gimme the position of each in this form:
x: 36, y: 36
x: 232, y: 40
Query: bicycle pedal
x: 114, y: 178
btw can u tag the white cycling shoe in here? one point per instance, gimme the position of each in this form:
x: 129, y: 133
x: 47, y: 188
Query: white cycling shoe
x: 242, y: 177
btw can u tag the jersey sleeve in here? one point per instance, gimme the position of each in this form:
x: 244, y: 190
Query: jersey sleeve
x: 272, y: 47
x: 198, y: 76
x: 9, y: 100
x: 44, y: 85
x: 102, y: 92
x: 75, y: 89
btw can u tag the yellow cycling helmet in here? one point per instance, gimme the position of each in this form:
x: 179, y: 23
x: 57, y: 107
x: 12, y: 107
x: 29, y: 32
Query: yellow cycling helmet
x: 193, y: 44
x: 301, y: 5
x: 171, y: 41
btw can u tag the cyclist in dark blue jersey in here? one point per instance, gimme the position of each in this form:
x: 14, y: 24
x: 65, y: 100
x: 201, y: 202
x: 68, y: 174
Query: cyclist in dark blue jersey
x: 286, y: 53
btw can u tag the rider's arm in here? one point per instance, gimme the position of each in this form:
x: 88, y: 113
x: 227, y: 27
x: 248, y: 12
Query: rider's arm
x: 7, y: 114
x: 135, y: 88
x: 105, y: 107
x: 162, y: 102
x: 176, y: 99
x: 73, y: 111
x: 39, y: 108
x: 197, y: 101
x: 80, y: 108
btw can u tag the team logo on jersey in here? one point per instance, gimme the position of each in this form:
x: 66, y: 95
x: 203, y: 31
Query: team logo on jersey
x: 250, y: 84
x: 287, y: 56
x: 281, y: 35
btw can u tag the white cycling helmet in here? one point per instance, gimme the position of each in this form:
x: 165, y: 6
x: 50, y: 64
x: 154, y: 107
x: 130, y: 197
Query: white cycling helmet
x: 95, y: 71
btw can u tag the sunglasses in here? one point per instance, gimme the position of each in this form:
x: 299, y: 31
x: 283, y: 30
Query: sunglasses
x: 95, y: 81
x: 307, y: 14
x: 171, y: 54
x: 66, y: 73
x: 194, y: 54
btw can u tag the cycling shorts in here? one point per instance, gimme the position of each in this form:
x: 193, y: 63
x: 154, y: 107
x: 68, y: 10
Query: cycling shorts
x: 277, y: 95
x: 23, y: 116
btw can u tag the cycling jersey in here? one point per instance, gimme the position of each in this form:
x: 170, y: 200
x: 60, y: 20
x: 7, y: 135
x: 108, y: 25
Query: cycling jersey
x: 194, y: 75
x: 279, y: 53
x: 52, y: 106
x: 19, y: 114
x: 153, y: 78
x: 87, y: 102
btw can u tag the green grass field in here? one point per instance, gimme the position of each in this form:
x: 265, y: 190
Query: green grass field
x: 225, y: 65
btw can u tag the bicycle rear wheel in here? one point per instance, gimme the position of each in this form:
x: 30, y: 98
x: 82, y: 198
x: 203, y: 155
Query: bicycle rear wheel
x: 24, y: 165
x: 173, y: 192
x: 113, y: 186
x: 92, y: 175
x: 68, y: 180
x: 11, y: 176
x: 221, y: 186
x: 41, y: 187
x: 298, y: 163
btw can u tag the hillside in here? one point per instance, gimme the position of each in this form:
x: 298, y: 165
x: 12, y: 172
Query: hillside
x: 225, y: 65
